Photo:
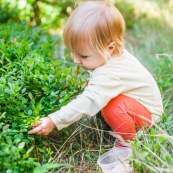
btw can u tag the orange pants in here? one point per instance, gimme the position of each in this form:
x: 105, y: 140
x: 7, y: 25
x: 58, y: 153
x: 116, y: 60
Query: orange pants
x: 126, y: 116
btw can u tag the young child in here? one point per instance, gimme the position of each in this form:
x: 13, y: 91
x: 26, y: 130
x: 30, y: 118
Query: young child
x: 119, y: 85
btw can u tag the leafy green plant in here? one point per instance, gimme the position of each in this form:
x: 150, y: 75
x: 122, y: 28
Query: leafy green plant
x: 50, y: 14
x: 128, y: 12
x: 7, y: 12
x: 32, y: 84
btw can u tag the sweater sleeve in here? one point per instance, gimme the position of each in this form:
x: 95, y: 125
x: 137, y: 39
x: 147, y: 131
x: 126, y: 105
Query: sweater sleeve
x: 100, y: 90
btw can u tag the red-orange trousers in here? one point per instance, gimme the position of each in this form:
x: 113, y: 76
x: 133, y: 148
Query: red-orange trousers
x: 126, y: 116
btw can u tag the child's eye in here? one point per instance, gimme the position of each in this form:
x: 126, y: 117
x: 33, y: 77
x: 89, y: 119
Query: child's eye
x: 83, y: 56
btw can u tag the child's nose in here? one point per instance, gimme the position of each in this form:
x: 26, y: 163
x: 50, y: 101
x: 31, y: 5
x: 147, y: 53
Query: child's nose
x: 76, y: 60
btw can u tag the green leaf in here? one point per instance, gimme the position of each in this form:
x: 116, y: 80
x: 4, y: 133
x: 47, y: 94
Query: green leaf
x: 17, y: 140
x: 23, y: 90
x: 152, y: 131
x: 21, y: 145
x: 39, y: 169
x: 30, y: 95
x: 161, y: 139
x: 46, y: 167
x: 29, y: 150
x: 51, y: 165
x: 2, y: 115
x: 30, y: 112
x: 9, y: 171
x: 37, y: 71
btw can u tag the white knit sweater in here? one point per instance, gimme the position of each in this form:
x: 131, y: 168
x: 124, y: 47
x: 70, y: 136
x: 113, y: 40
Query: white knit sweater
x: 122, y: 75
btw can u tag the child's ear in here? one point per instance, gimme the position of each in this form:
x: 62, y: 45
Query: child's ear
x: 111, y: 48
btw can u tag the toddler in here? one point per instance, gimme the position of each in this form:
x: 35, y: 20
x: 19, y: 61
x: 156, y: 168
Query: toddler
x: 119, y: 85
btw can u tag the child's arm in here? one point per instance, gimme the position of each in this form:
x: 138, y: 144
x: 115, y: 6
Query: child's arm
x: 100, y: 90
x: 44, y: 126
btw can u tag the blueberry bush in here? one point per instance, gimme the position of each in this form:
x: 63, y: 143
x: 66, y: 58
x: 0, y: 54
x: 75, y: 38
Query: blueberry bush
x: 33, y: 83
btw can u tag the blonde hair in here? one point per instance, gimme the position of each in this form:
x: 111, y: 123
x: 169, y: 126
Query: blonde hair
x: 99, y: 23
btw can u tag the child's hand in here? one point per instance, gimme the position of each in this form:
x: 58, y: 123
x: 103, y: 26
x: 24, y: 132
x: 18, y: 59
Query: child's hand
x: 42, y: 127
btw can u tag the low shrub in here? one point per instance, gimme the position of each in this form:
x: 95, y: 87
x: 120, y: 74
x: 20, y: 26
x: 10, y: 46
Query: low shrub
x: 32, y: 84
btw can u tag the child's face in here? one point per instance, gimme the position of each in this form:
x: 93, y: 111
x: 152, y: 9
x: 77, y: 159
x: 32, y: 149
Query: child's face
x: 89, y: 59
